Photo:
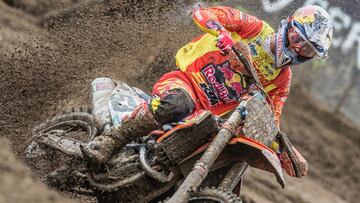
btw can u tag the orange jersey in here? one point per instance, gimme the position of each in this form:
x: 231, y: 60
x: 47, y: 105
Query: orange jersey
x: 216, y: 81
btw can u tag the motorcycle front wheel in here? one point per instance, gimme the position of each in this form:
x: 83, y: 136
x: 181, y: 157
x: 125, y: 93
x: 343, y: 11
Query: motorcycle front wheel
x: 214, y: 195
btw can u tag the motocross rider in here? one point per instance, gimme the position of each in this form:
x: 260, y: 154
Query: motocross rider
x: 208, y: 79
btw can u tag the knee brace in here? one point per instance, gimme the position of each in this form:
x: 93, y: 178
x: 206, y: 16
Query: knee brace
x: 172, y: 106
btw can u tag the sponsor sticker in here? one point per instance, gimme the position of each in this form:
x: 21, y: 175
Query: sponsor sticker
x: 226, y: 84
x: 212, y: 25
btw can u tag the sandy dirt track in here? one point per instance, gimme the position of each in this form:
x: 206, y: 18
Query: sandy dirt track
x: 17, y: 183
x: 57, y: 57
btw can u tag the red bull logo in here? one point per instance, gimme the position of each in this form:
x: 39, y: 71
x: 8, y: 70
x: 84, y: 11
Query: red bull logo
x: 220, y: 88
x: 226, y: 83
x: 232, y: 79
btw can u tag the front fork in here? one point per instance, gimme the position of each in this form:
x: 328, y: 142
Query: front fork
x: 234, y: 176
x: 202, y: 167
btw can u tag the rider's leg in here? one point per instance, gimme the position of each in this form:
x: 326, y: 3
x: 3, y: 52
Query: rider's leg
x: 174, y: 98
x: 171, y: 103
x: 139, y: 122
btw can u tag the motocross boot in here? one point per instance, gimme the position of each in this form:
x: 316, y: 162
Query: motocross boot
x: 291, y: 160
x: 140, y: 123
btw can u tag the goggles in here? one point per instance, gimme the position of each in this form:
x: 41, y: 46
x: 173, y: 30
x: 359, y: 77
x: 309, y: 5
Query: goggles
x: 300, y: 44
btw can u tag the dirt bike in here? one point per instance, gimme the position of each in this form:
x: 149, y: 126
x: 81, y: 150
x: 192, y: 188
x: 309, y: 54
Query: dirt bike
x: 200, y: 151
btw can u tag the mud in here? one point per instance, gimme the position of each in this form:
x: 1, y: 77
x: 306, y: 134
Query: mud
x: 48, y: 58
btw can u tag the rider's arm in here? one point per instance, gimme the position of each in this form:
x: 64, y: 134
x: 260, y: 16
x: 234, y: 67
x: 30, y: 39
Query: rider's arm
x: 280, y: 93
x: 216, y: 19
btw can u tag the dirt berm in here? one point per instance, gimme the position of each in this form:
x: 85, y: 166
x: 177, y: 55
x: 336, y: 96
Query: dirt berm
x: 48, y: 58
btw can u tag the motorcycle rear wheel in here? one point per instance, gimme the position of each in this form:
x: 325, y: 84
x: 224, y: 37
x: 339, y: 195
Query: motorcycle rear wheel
x: 214, y: 195
x: 54, y: 167
x: 69, y: 118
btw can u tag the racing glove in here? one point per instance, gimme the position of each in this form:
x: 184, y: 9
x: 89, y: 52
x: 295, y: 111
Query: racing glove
x: 224, y: 42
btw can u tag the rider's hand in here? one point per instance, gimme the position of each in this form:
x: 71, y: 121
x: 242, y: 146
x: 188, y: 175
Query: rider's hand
x: 224, y: 42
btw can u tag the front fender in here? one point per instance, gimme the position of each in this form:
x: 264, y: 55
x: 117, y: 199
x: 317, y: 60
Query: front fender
x: 258, y: 156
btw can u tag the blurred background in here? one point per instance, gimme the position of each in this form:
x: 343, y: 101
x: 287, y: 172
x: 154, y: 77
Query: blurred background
x: 50, y: 50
